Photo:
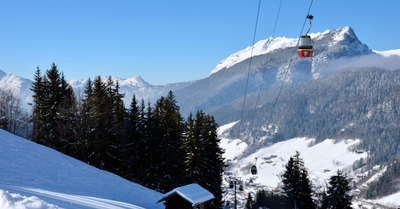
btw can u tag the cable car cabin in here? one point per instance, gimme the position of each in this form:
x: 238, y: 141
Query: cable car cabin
x: 254, y: 170
x: 231, y: 185
x: 305, y: 46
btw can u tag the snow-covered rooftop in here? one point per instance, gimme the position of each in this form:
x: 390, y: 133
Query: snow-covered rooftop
x: 193, y: 193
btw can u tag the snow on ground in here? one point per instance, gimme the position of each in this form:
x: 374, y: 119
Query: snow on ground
x: 31, y: 172
x: 17, y: 201
x: 261, y: 47
x: 391, y: 200
x: 232, y: 147
x: 322, y: 160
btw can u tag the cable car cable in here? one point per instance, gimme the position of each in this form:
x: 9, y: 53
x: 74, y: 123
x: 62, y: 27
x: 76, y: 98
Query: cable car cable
x: 248, y: 72
x: 288, y: 68
x: 273, y: 35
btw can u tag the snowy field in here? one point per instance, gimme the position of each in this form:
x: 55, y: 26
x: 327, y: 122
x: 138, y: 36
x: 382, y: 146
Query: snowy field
x: 34, y: 176
x: 322, y: 160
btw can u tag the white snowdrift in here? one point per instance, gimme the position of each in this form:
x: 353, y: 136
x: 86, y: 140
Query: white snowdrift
x: 17, y: 201
x: 30, y: 169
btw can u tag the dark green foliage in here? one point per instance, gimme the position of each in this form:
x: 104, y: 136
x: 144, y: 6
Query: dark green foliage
x: 39, y: 111
x: 54, y: 111
x: 267, y: 200
x: 167, y: 144
x: 249, y: 202
x: 103, y: 125
x: 337, y: 196
x: 296, y: 184
x: 204, y: 162
x: 132, y: 143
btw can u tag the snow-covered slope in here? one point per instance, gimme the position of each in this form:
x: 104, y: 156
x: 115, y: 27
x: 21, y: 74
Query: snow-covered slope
x: 28, y: 169
x: 321, y: 159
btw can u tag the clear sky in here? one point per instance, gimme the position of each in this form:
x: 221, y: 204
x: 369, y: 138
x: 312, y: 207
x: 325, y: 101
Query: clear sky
x: 168, y: 41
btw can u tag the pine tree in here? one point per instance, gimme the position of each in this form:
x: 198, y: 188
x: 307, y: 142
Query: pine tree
x: 52, y: 101
x: 214, y: 161
x: 101, y: 136
x: 296, y: 184
x: 168, y: 147
x: 38, y: 113
x: 261, y: 199
x: 249, y: 202
x: 130, y: 146
x: 204, y: 162
x: 337, y: 195
x: 54, y: 113
x: 67, y: 120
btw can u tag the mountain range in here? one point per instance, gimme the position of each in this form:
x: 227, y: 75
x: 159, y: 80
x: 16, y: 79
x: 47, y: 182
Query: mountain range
x: 273, y: 60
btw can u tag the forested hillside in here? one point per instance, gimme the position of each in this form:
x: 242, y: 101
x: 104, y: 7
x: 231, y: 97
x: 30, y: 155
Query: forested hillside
x: 149, y: 144
x: 352, y: 103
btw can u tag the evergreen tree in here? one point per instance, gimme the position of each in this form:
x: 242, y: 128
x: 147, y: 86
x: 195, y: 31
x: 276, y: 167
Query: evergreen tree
x: 101, y: 136
x: 130, y: 146
x: 337, y: 195
x: 204, y: 162
x: 296, y: 184
x: 38, y: 114
x: 168, y: 147
x: 261, y: 199
x: 54, y: 110
x: 249, y: 202
x: 214, y: 161
x: 52, y: 101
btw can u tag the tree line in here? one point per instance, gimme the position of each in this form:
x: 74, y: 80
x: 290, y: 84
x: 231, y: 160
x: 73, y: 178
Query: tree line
x: 297, y: 191
x: 149, y: 144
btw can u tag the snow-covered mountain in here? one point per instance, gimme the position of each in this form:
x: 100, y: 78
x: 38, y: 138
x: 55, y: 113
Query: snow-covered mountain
x: 31, y: 174
x: 129, y: 87
x: 133, y: 86
x: 272, y: 58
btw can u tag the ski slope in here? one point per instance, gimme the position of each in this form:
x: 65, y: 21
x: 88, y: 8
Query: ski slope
x: 34, y: 176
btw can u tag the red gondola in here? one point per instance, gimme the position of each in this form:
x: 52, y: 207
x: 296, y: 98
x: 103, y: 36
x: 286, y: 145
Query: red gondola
x: 305, y: 43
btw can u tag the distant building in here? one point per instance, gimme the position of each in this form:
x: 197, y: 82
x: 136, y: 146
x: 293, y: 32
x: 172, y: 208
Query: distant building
x: 191, y: 196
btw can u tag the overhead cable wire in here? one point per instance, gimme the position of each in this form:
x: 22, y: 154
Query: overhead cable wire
x: 288, y: 68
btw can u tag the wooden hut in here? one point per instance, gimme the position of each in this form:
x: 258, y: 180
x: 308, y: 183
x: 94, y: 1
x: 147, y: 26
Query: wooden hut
x: 191, y: 196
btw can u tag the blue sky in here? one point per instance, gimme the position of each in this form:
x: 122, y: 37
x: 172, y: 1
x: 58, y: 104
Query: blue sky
x: 167, y: 41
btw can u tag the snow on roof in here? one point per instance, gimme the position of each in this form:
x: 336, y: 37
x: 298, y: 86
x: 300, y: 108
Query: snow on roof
x: 193, y: 193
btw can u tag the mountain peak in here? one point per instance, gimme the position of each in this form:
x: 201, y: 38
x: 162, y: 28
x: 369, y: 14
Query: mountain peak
x: 135, y: 81
x: 261, y: 47
x: 343, y: 37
